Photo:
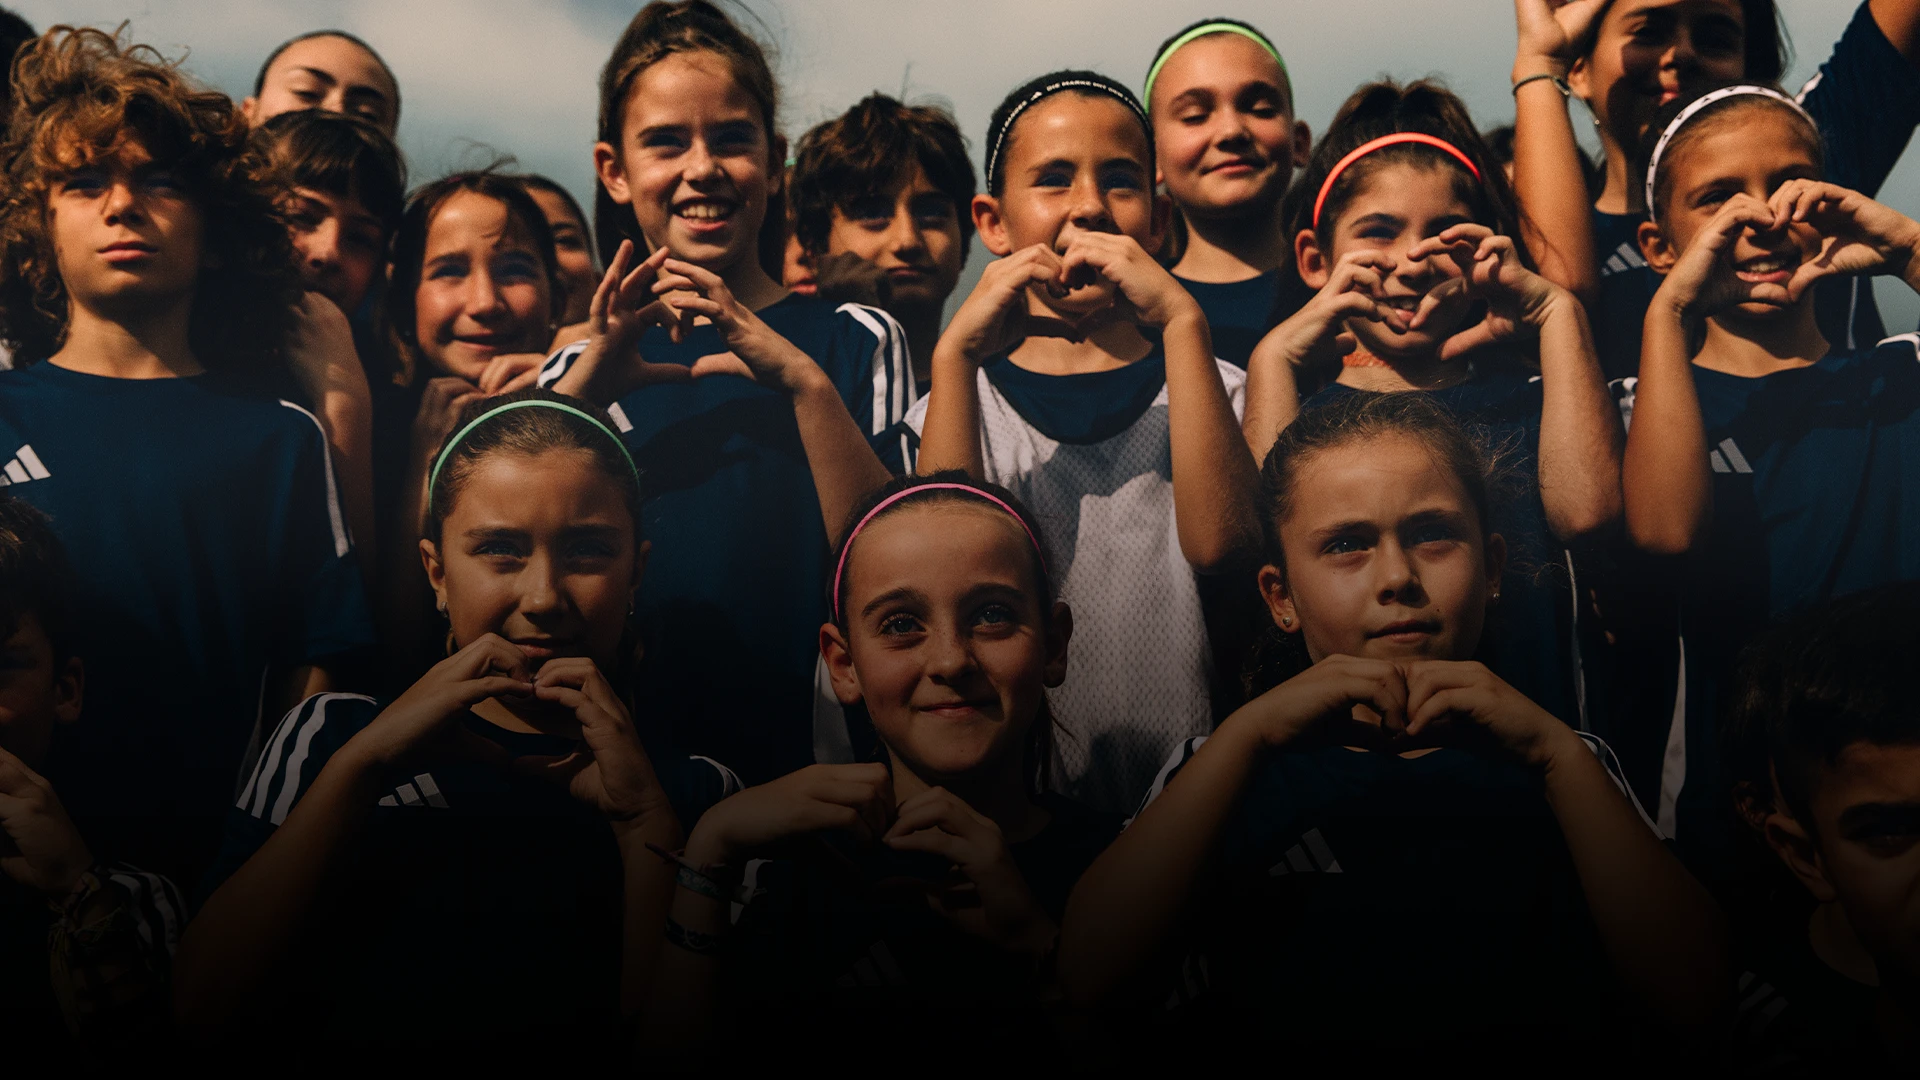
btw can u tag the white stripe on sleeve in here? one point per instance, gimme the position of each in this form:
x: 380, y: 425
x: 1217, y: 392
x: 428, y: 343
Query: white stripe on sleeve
x: 1181, y: 755
x: 1618, y: 775
x: 342, y: 543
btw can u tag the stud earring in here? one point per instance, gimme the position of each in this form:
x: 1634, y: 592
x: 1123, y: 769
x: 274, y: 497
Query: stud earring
x: 1286, y: 620
x: 440, y: 606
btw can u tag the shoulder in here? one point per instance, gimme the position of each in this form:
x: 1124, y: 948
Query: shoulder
x: 1611, y: 763
x: 869, y: 323
x: 159, y: 912
x: 299, y: 748
x: 1168, y: 770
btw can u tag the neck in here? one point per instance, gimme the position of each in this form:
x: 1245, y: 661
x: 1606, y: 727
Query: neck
x: 1753, y: 347
x: 1363, y: 370
x: 1110, y: 345
x: 137, y: 345
x: 1836, y: 945
x: 997, y: 792
x: 1233, y: 248
x: 750, y: 284
x: 923, y: 333
x: 1617, y: 196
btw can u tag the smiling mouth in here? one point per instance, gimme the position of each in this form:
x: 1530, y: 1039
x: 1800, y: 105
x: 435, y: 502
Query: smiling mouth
x: 1771, y: 270
x: 706, y: 212
x: 954, y: 710
x: 542, y: 648
x: 1409, y: 630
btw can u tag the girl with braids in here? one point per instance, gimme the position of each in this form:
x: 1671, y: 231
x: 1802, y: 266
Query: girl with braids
x: 1081, y: 376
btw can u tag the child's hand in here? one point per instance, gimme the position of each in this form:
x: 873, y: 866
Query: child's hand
x: 623, y: 307
x: 1317, y: 706
x: 848, y: 278
x: 428, y: 718
x: 1703, y: 282
x: 994, y: 317
x: 39, y: 847
x: 1314, y: 339
x: 1518, y: 300
x: 1144, y: 292
x: 320, y: 349
x: 988, y: 897
x: 1552, y: 34
x: 855, y: 799
x: 1462, y: 704
x: 757, y: 351
x: 510, y: 371
x: 611, y: 771
x: 1859, y: 236
x: 440, y: 403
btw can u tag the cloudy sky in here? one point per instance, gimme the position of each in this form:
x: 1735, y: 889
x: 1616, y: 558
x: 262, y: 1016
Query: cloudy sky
x: 481, y: 77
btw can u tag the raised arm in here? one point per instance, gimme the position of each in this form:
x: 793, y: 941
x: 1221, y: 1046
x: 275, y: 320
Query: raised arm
x: 1549, y: 176
x: 1294, y: 358
x: 1580, y: 436
x: 1900, y: 21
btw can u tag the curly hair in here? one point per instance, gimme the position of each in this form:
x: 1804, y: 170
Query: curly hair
x: 865, y: 152
x: 81, y: 96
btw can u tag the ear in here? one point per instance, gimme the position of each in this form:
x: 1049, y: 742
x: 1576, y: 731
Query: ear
x: 988, y: 223
x: 249, y: 109
x: 69, y: 690
x: 1302, y: 144
x: 1273, y: 589
x: 1059, y: 633
x: 436, y: 571
x: 1496, y: 563
x: 1314, y: 271
x: 1790, y: 841
x: 1754, y: 803
x: 777, y: 168
x: 612, y: 172
x: 833, y: 649
x: 1655, y: 248
x: 640, y: 562
x: 1580, y: 80
x: 1162, y: 223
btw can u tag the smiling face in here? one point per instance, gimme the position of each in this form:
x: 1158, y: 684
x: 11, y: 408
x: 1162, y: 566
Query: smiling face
x: 571, y: 257
x: 1073, y: 163
x: 539, y: 549
x: 1396, y: 206
x: 1648, y: 52
x: 1384, y: 555
x: 1223, y: 127
x: 1748, y: 147
x: 947, y: 639
x: 341, y: 247
x: 695, y: 161
x: 36, y: 694
x: 125, y: 233
x: 912, y: 233
x: 331, y: 73
x: 483, y: 287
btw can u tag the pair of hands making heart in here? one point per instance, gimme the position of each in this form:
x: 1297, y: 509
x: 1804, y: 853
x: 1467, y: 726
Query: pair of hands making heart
x: 997, y: 316
x: 984, y: 893
x: 609, y: 770
x: 1396, y: 706
x: 1856, y: 236
x: 1518, y: 301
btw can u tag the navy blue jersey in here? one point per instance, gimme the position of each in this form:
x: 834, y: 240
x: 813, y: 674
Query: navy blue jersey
x: 1369, y: 897
x: 735, y: 589
x: 1238, y: 312
x: 1529, y: 635
x: 1866, y: 101
x: 480, y: 908
x: 206, y: 534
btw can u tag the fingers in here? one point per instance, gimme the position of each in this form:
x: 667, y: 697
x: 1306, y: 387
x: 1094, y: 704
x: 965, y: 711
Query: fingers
x: 1436, y: 688
x: 490, y: 654
x: 609, y: 285
x: 725, y: 363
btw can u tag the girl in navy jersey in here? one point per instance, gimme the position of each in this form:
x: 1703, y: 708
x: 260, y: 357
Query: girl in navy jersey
x: 1625, y: 59
x: 1404, y: 226
x: 1226, y: 143
x: 1393, y: 851
x: 1782, y: 468
x: 1081, y: 376
x: 463, y: 870
x: 749, y: 408
x: 930, y: 882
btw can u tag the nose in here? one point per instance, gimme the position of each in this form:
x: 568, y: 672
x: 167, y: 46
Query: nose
x: 699, y: 163
x: 322, y: 245
x: 483, y: 299
x: 122, y: 203
x: 903, y: 236
x: 1395, y: 577
x: 540, y: 592
x: 950, y: 656
x: 1681, y: 56
x: 1089, y: 210
x: 1232, y: 129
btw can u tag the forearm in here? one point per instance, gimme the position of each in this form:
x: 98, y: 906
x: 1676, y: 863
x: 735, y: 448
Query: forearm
x: 1550, y: 183
x: 1662, y: 931
x: 234, y: 957
x: 598, y: 374
x: 1273, y: 399
x: 842, y: 461
x: 950, y: 436
x: 683, y: 1008
x: 1214, y: 479
x: 1665, y: 480
x: 1579, y: 430
x: 1122, y: 921
x: 1900, y: 21
x: 647, y: 891
x: 346, y: 410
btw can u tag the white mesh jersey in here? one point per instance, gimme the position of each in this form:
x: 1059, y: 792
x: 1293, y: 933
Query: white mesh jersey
x: 1139, y: 667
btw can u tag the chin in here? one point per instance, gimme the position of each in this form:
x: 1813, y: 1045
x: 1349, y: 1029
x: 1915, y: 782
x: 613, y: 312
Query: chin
x: 1389, y: 346
x: 1080, y: 302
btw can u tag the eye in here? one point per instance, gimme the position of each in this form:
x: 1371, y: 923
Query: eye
x: 871, y: 213
x: 1719, y: 37
x: 899, y: 624
x: 586, y: 550
x: 1054, y: 178
x: 1120, y: 180
x: 311, y: 97
x: 663, y: 140
x: 448, y: 270
x: 85, y: 182
x: 1345, y: 544
x: 498, y: 548
x: 995, y: 615
x: 516, y: 268
x: 161, y: 180
x: 733, y: 139
x: 366, y: 242
x: 1431, y: 533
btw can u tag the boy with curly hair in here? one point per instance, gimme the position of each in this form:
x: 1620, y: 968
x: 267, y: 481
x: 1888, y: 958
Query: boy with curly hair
x: 148, y: 295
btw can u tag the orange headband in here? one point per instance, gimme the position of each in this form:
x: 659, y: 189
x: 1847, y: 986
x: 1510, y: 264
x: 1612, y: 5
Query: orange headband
x: 1366, y: 148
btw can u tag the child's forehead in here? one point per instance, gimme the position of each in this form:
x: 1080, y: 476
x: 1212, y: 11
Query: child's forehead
x: 1871, y: 772
x: 1078, y: 120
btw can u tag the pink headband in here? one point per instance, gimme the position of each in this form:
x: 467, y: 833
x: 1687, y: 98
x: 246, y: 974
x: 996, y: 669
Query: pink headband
x: 1386, y: 140
x: 841, y: 568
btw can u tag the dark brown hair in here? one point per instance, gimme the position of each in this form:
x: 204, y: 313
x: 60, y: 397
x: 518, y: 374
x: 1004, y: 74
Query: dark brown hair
x: 339, y: 154
x: 83, y: 96
x: 1768, y: 50
x: 35, y: 578
x: 1699, y: 124
x: 865, y: 152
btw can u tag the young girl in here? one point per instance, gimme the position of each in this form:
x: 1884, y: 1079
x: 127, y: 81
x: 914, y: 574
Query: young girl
x: 1393, y: 849
x: 1406, y: 236
x: 464, y: 869
x: 743, y: 472
x: 1782, y: 468
x: 1625, y: 59
x: 148, y: 290
x: 572, y: 245
x: 932, y: 881
x: 1227, y: 143
x: 1081, y: 376
x: 330, y: 70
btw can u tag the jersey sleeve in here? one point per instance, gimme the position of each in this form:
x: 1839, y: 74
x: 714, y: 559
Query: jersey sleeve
x: 326, y: 597
x: 1235, y: 380
x: 872, y: 370
x: 1174, y: 763
x: 694, y: 783
x: 1866, y: 99
x: 557, y: 363
x: 305, y: 740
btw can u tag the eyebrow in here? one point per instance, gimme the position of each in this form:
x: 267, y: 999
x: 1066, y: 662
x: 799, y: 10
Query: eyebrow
x: 904, y: 592
x: 1900, y: 815
x: 321, y: 74
x: 1380, y: 219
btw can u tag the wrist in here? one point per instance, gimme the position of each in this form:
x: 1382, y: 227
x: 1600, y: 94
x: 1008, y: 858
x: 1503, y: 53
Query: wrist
x: 1527, y: 65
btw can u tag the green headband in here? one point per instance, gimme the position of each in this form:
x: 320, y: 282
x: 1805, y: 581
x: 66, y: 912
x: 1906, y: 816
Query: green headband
x: 433, y: 479
x: 1204, y: 29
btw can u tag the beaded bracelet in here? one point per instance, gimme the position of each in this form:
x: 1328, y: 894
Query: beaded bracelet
x: 1559, y: 84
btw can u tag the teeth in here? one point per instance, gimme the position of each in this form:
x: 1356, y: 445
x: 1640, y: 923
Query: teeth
x: 705, y: 211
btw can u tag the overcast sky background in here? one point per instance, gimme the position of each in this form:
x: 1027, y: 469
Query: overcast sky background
x: 483, y: 77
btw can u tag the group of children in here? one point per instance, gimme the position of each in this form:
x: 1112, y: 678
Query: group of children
x: 1358, y: 598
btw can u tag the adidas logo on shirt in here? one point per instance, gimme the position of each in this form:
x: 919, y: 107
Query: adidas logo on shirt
x: 1310, y: 856
x: 1624, y: 258
x: 24, y: 466
x: 877, y: 968
x: 422, y: 792
x: 1728, y: 458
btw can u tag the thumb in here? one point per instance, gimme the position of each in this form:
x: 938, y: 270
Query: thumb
x: 722, y: 363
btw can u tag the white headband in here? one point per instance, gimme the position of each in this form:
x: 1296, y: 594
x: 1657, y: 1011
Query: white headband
x: 1702, y: 102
